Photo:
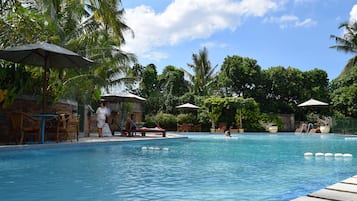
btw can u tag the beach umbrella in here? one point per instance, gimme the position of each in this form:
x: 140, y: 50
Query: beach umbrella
x: 187, y: 106
x: 46, y: 55
x: 120, y: 97
x: 312, y: 103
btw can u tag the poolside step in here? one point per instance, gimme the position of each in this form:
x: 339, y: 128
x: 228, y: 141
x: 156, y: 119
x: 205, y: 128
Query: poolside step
x: 306, y: 198
x: 344, y: 190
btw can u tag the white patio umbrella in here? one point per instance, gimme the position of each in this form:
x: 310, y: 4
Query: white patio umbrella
x: 187, y: 106
x: 119, y: 97
x: 312, y: 102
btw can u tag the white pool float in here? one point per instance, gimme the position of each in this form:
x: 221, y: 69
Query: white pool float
x: 308, y: 154
x: 338, y: 155
x: 318, y: 154
x: 347, y: 155
x: 328, y: 154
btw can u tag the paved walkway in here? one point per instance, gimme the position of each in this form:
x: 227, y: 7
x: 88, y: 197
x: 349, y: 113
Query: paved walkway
x: 345, y: 190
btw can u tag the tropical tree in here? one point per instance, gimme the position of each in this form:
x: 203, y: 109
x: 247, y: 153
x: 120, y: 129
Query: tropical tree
x: 240, y: 75
x: 91, y: 28
x: 285, y: 89
x: 214, y: 106
x: 172, y: 80
x: 172, y: 85
x: 316, y: 85
x: 149, y: 89
x: 344, y: 93
x: 347, y: 43
x: 203, y: 73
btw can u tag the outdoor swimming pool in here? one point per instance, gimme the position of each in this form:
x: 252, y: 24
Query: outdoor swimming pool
x: 202, y: 167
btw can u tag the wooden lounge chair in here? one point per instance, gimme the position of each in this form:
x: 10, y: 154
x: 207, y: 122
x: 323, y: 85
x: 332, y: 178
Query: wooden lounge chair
x: 67, y: 127
x: 145, y: 130
x: 26, y: 126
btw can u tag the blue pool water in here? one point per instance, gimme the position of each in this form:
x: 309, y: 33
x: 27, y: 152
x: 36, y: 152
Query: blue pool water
x: 201, y: 167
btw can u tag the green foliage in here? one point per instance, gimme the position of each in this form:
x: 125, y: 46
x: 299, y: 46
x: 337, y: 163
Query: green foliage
x: 172, y: 81
x: 244, y: 111
x: 214, y: 106
x: 344, y: 93
x: 347, y: 44
x: 269, y: 120
x: 150, y: 121
x: 203, y: 73
x: 99, y: 37
x: 241, y: 75
x: 14, y: 80
x: 149, y: 83
x: 187, y: 118
x: 164, y: 120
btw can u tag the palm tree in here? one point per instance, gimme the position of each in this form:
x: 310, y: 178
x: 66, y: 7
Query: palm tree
x: 203, y: 72
x: 91, y: 28
x: 347, y: 43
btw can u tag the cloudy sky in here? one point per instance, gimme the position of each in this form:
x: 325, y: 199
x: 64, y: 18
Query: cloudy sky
x: 285, y: 33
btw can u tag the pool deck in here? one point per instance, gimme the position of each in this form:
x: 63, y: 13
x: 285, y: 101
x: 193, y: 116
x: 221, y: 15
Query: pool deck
x: 343, y: 190
x: 93, y: 137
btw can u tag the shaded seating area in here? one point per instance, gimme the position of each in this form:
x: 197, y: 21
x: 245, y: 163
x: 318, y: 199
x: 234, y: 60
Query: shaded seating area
x: 62, y: 128
x: 25, y: 128
x: 68, y: 127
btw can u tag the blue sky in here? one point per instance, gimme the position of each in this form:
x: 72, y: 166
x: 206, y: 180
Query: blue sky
x: 285, y: 33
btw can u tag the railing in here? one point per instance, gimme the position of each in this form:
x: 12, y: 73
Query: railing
x: 344, y: 125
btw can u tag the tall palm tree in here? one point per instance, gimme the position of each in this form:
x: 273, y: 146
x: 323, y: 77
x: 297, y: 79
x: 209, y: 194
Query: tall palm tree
x: 203, y: 72
x: 347, y: 43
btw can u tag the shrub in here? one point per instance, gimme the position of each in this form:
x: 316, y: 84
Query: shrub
x: 186, y: 118
x: 167, y: 121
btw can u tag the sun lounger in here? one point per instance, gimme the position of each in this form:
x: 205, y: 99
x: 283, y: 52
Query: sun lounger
x: 145, y: 130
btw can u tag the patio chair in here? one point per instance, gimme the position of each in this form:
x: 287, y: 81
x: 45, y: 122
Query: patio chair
x: 26, y: 126
x: 67, y: 127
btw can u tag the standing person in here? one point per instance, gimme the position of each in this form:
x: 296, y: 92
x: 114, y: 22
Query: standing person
x: 101, y: 113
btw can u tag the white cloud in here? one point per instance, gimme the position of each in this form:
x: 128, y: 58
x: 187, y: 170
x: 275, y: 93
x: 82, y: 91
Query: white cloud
x: 306, y: 23
x: 212, y: 44
x: 186, y: 20
x: 290, y: 21
x: 353, y: 14
x: 305, y: 1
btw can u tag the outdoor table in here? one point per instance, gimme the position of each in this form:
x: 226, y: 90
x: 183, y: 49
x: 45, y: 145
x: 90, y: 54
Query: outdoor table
x: 43, y: 118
